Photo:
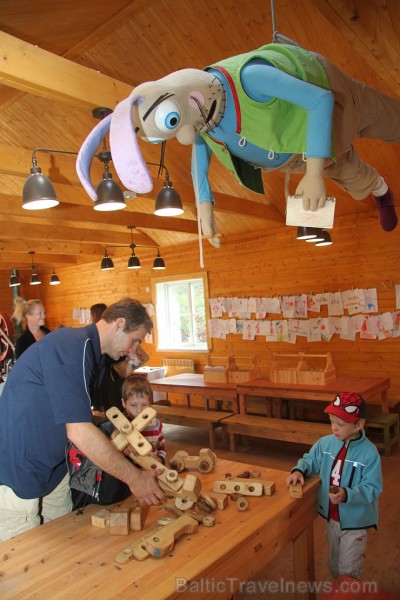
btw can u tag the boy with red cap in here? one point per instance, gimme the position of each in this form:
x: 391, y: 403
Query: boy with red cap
x: 349, y: 467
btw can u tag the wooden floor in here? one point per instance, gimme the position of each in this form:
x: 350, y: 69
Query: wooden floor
x: 382, y: 563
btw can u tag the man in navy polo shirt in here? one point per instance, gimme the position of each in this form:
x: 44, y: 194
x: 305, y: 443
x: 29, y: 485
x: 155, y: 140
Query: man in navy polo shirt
x: 47, y: 400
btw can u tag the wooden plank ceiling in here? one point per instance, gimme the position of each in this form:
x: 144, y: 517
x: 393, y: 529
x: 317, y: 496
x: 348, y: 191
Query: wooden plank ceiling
x: 59, y: 61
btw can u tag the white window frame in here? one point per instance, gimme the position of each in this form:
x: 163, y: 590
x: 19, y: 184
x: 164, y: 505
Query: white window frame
x: 162, y: 311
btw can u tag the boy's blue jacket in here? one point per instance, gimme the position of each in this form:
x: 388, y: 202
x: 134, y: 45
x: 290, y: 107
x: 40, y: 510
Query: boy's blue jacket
x: 361, y: 478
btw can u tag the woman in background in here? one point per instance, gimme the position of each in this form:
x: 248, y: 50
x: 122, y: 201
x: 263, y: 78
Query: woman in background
x: 96, y: 311
x: 31, y: 315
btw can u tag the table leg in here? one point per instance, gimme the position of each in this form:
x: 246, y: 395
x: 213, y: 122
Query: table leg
x: 303, y: 562
x: 242, y: 405
x: 384, y: 402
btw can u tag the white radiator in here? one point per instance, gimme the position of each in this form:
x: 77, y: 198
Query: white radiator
x: 175, y: 366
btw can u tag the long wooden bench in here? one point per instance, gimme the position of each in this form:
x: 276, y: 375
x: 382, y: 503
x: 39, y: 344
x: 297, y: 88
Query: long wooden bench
x: 287, y: 430
x: 383, y: 430
x: 190, y: 417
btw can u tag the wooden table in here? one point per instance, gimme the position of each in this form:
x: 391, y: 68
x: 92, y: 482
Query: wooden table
x: 69, y: 558
x: 373, y: 390
x: 193, y: 383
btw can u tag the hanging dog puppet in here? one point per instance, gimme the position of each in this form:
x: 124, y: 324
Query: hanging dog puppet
x: 278, y: 107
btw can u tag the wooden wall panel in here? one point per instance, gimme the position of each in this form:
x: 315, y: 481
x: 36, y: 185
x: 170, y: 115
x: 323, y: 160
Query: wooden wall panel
x: 362, y: 256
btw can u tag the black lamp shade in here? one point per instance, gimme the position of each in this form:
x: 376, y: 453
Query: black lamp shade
x: 306, y: 233
x: 319, y: 237
x: 38, y: 192
x: 109, y: 195
x: 14, y: 281
x: 158, y: 263
x: 35, y: 279
x: 327, y: 241
x: 168, y: 201
x: 133, y: 262
x: 106, y: 263
x: 54, y: 279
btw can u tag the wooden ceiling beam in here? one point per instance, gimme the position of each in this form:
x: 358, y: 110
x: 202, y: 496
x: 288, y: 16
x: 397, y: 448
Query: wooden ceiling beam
x: 28, y: 68
x: 49, y: 232
x: 86, y: 217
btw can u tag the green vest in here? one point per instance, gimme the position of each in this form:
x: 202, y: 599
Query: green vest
x: 276, y: 125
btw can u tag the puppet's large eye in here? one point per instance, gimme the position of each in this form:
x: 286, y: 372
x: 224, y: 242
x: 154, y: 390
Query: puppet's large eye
x: 167, y: 116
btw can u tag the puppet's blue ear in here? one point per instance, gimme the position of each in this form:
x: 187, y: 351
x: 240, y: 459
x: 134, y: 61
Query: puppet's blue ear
x: 86, y: 153
x: 125, y: 151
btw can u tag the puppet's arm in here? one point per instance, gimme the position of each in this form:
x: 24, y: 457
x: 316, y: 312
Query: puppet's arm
x: 201, y: 155
x: 262, y: 83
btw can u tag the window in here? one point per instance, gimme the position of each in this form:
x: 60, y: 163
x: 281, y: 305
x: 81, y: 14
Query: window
x: 181, y: 315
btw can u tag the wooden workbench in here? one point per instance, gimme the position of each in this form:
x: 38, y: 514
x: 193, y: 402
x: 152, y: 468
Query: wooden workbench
x: 69, y: 558
x: 190, y: 384
x: 373, y: 390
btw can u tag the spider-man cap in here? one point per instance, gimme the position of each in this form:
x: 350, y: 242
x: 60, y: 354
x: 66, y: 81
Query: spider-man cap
x: 348, y: 406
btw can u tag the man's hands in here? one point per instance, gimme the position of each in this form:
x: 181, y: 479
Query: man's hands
x: 146, y: 487
x: 312, y: 186
x: 208, y: 225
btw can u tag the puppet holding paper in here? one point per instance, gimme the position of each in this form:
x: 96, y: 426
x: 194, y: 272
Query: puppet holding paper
x: 278, y: 107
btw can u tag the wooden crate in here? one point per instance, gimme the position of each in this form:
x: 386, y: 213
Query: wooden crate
x: 226, y: 369
x: 303, y: 368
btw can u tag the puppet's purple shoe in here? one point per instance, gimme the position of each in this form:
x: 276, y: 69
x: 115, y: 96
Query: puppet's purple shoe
x: 387, y: 211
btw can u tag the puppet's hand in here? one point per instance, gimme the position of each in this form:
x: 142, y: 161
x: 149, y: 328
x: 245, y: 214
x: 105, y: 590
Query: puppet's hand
x: 208, y: 225
x: 312, y: 186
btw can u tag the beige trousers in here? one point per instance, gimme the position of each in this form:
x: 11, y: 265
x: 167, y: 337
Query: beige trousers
x: 18, y: 515
x: 359, y: 112
x: 346, y: 550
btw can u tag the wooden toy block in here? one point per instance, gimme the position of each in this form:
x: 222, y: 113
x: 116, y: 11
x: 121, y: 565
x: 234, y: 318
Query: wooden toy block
x: 101, y: 518
x: 129, y: 431
x: 191, y: 487
x: 268, y: 486
x: 245, y: 487
x: 295, y: 490
x: 163, y: 540
x: 119, y: 440
x: 221, y: 500
x: 119, y: 520
x: 138, y: 516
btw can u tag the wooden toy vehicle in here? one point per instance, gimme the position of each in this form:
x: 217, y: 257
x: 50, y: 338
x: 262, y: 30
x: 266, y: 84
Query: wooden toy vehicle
x: 204, y: 462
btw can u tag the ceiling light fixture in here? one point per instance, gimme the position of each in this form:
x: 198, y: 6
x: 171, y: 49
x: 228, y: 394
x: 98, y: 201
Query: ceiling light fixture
x: 317, y: 238
x: 35, y: 278
x: 306, y: 233
x: 133, y: 262
x: 168, y: 201
x: 39, y: 193
x: 326, y: 241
